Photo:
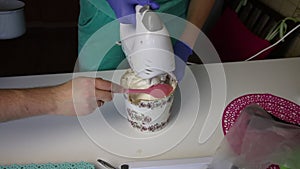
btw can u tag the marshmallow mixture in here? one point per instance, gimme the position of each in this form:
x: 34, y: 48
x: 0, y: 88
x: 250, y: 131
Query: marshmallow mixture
x: 132, y: 81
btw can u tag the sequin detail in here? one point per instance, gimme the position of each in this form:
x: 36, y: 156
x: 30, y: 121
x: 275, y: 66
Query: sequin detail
x: 277, y: 106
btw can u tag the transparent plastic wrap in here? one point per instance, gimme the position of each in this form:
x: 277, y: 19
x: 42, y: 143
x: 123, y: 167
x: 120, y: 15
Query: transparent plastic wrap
x: 258, y: 141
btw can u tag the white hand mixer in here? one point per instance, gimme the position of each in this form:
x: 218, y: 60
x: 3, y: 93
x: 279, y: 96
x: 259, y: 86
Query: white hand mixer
x: 147, y: 45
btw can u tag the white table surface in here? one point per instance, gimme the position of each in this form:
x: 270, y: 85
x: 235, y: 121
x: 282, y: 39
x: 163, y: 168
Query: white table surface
x: 46, y: 139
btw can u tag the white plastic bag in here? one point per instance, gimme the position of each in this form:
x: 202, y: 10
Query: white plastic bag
x: 257, y: 141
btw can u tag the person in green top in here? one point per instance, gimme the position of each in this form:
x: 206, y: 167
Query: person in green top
x: 98, y: 29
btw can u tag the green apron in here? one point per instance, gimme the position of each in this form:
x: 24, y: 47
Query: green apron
x: 98, y: 32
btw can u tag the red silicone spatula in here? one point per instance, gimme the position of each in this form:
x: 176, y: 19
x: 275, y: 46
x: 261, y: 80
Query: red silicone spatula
x: 157, y: 91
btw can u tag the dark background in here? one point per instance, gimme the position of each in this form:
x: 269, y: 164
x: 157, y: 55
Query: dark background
x: 49, y: 44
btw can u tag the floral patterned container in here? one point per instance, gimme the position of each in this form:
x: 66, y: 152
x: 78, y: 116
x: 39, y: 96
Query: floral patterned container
x: 144, y: 112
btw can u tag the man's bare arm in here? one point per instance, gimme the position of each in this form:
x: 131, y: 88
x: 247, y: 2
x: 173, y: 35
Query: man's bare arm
x: 79, y: 96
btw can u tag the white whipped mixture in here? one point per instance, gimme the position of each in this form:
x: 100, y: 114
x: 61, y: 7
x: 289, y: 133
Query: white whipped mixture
x: 132, y: 81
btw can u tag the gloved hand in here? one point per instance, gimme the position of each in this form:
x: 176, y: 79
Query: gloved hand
x: 182, y: 53
x: 125, y: 8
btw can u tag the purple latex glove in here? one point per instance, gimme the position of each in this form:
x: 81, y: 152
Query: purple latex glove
x: 182, y: 53
x: 125, y: 8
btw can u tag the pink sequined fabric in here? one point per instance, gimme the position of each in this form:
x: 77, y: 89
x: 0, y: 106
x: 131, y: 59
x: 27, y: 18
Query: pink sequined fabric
x: 277, y: 106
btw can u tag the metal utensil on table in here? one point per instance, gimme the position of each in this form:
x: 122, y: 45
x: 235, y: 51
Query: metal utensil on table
x: 106, y: 164
x: 109, y: 166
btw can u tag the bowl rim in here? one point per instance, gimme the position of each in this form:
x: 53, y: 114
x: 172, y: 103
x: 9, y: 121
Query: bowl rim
x: 11, y: 5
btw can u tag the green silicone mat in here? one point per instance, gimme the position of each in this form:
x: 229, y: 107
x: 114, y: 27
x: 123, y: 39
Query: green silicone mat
x: 65, y: 165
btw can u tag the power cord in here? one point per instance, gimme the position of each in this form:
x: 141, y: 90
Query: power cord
x: 280, y: 29
x: 276, y: 43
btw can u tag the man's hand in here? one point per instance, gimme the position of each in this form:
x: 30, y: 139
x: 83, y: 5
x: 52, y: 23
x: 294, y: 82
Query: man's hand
x: 125, y: 8
x: 81, y: 96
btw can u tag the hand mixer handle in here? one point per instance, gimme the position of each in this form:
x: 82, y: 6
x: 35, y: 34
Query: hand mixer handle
x: 150, y: 20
